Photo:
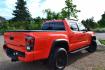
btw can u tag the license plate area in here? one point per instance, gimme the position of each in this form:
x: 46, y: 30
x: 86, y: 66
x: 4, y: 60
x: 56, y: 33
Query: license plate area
x: 13, y: 53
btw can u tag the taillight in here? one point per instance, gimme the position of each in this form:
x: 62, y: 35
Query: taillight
x: 29, y: 43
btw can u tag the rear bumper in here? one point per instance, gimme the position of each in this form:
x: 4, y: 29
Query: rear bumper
x: 18, y: 55
x: 29, y: 57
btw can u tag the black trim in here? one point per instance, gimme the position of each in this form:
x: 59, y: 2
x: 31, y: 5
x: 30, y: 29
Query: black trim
x: 53, y: 46
x: 78, y: 49
x: 10, y: 52
x: 93, y: 37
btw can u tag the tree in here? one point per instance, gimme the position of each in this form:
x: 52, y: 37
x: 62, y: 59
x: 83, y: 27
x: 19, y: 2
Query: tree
x: 56, y: 15
x: 2, y: 19
x: 48, y: 13
x: 70, y: 9
x: 64, y: 13
x: 51, y: 14
x: 89, y: 23
x: 102, y: 21
x: 21, y: 12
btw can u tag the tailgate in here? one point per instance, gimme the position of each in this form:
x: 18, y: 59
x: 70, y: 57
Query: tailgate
x: 16, y: 39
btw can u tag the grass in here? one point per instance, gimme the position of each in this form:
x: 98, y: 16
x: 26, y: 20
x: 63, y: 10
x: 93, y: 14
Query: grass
x: 101, y: 30
x: 102, y: 42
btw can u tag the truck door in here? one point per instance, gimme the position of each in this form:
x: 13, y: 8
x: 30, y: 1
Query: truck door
x: 75, y: 37
x: 83, y: 30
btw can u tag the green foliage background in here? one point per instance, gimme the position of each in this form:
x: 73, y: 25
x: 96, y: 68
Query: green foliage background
x: 22, y: 19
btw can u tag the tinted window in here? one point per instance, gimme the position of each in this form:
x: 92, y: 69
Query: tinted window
x: 73, y: 26
x: 53, y: 26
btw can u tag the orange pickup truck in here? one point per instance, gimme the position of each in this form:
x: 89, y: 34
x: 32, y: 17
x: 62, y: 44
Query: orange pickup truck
x: 53, y: 42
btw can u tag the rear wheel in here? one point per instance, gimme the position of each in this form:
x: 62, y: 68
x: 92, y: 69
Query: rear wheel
x: 58, y: 59
x: 92, y: 47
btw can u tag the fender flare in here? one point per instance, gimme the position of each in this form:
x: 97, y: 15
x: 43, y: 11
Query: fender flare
x: 93, y: 38
x: 64, y: 41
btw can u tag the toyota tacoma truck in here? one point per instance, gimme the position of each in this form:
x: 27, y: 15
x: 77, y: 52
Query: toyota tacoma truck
x: 53, y: 42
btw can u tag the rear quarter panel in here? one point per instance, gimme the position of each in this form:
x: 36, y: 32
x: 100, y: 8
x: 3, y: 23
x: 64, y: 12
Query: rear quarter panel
x: 44, y: 41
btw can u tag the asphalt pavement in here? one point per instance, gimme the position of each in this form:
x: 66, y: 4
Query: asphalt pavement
x: 100, y: 36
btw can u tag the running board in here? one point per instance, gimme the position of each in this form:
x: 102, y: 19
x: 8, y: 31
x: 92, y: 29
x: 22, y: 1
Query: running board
x: 79, y: 49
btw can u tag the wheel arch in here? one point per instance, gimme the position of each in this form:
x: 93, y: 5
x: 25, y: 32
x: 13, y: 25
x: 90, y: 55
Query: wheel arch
x: 63, y: 43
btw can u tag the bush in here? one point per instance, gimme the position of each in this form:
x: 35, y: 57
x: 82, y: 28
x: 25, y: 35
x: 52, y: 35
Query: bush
x: 101, y: 30
x: 20, y: 25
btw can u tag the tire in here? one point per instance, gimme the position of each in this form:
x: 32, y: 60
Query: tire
x: 92, y: 47
x: 58, y: 59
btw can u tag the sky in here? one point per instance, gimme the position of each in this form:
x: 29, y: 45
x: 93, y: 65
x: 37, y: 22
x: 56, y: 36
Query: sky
x: 89, y: 8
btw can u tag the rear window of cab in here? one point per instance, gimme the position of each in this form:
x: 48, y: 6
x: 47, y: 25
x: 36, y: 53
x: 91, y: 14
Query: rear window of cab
x: 53, y: 26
